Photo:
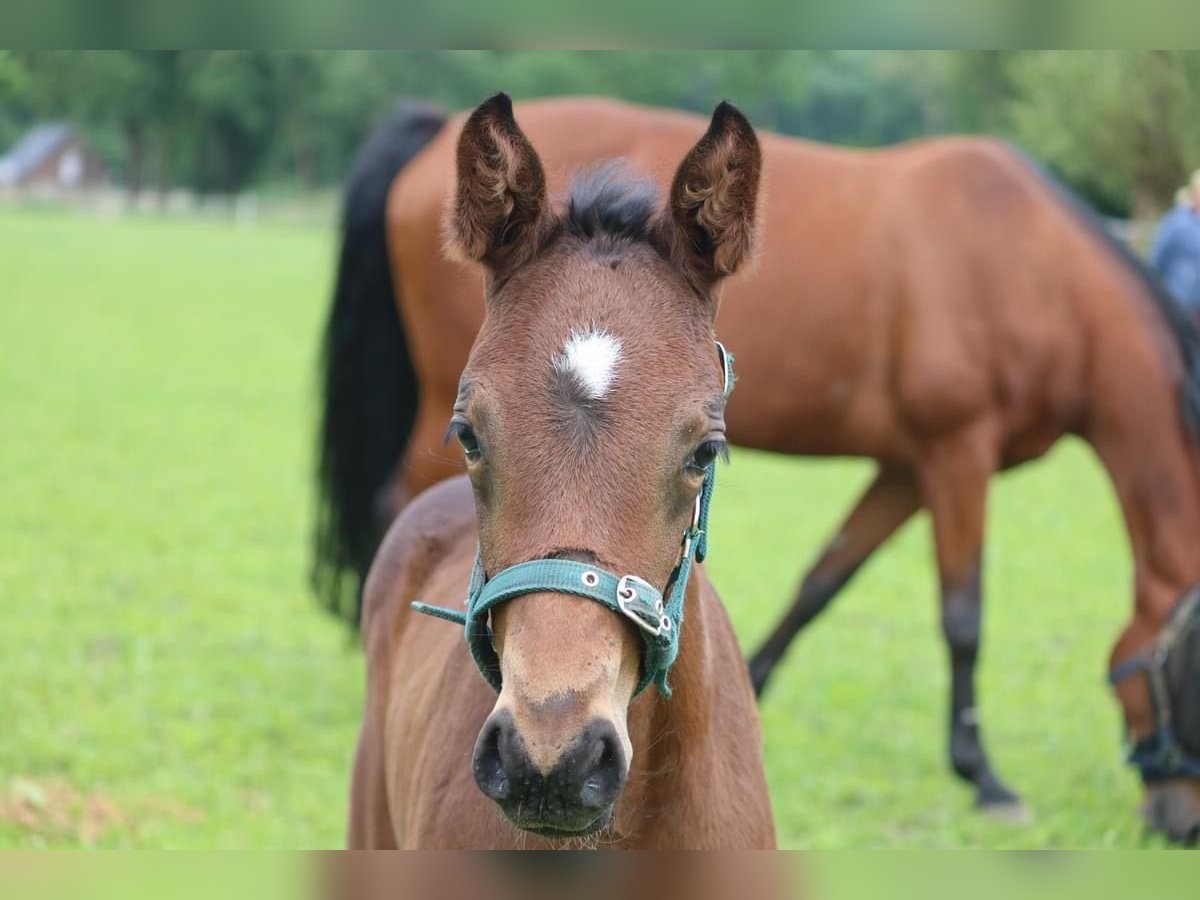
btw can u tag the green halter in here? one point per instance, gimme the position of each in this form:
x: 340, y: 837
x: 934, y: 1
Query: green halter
x: 658, y: 618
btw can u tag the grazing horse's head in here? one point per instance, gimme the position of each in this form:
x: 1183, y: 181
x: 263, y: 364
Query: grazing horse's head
x: 590, y: 407
x: 1169, y: 755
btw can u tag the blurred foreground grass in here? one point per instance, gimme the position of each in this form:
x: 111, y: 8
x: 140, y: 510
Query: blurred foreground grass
x: 166, y: 681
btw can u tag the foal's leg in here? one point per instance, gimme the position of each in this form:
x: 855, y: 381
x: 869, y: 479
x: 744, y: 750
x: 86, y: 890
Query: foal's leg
x: 954, y: 479
x: 888, y: 503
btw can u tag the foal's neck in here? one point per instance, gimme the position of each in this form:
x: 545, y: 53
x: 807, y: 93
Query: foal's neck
x: 671, y: 736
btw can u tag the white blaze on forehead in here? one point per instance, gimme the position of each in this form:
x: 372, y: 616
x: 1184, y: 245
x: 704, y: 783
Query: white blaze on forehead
x: 590, y: 358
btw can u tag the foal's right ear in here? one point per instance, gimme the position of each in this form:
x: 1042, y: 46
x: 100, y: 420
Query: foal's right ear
x: 711, y: 213
x: 501, y: 199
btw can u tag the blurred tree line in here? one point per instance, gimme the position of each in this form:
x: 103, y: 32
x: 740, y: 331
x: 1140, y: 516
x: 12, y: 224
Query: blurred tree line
x: 1123, y: 127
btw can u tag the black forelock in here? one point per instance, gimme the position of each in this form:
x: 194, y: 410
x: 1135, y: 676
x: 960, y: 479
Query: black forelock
x: 609, y: 200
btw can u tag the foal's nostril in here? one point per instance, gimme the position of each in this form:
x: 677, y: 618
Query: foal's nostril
x: 603, y: 771
x: 493, y: 761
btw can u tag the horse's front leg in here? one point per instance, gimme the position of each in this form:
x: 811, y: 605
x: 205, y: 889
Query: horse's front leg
x: 954, y: 474
x: 889, y: 502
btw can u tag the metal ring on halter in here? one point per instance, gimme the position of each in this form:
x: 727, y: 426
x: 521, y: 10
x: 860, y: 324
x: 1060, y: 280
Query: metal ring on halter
x: 726, y: 369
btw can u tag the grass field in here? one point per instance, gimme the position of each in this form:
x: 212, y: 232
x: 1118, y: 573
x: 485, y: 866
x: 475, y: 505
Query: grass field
x: 166, y: 681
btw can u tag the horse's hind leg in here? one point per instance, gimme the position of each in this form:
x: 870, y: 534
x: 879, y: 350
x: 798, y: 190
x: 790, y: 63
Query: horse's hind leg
x: 954, y: 479
x: 888, y: 503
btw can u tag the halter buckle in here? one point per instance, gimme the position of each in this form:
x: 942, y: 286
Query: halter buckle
x: 632, y: 600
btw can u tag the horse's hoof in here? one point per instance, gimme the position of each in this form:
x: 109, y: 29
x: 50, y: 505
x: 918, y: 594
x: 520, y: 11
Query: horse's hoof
x: 1011, y: 811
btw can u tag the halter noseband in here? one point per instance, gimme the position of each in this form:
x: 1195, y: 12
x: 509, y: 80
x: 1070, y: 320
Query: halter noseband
x: 657, y: 614
x: 1161, y: 756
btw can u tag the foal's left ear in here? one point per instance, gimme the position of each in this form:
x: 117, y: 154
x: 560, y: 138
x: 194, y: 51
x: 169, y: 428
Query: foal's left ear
x: 501, y: 197
x: 714, y: 197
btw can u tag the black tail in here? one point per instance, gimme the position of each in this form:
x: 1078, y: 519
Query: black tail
x: 368, y: 383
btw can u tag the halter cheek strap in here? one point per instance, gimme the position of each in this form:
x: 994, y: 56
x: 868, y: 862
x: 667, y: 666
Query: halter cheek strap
x: 1161, y: 756
x: 657, y: 614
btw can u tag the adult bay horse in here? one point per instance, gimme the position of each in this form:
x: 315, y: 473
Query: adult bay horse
x: 590, y: 415
x: 938, y: 306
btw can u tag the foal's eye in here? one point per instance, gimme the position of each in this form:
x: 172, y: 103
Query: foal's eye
x: 705, y: 455
x: 465, y: 435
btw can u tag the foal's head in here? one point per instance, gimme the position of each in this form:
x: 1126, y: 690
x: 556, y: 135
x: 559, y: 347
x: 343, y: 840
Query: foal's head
x: 589, y: 408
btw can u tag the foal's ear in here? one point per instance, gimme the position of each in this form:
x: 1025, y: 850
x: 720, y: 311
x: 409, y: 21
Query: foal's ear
x: 713, y: 199
x: 501, y: 198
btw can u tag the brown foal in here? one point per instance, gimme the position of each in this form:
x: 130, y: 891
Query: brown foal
x: 591, y: 401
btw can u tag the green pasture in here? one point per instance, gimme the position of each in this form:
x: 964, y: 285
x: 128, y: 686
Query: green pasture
x: 167, y: 681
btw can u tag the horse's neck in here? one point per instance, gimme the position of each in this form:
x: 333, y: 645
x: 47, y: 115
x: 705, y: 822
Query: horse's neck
x: 1133, y: 419
x: 1153, y: 459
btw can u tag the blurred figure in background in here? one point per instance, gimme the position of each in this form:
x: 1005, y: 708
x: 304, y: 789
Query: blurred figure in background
x: 1175, y: 253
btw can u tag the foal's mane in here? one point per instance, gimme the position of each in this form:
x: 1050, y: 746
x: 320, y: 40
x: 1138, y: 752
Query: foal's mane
x: 611, y: 200
x: 1181, y: 326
